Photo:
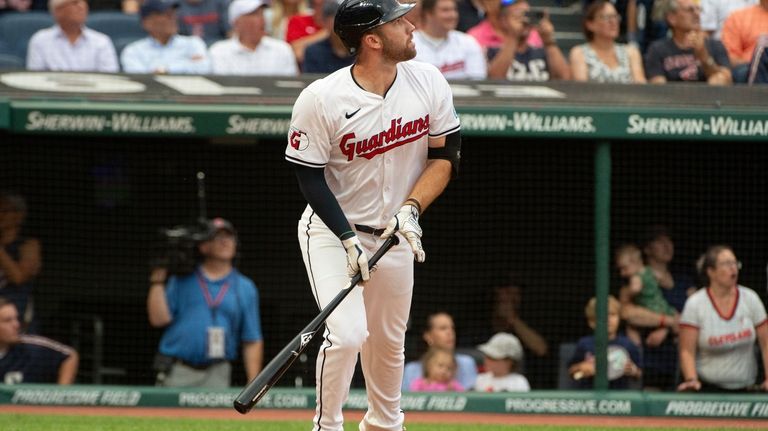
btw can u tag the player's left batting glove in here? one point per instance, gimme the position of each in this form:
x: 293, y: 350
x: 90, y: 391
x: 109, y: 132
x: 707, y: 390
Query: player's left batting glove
x: 357, y: 260
x: 406, y: 221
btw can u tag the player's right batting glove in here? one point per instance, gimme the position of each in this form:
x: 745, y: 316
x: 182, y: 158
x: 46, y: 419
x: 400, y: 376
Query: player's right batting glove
x: 406, y: 221
x: 357, y: 260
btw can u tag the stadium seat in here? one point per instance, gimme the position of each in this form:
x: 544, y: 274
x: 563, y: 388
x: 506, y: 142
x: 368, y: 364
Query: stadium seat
x: 17, y: 28
x: 121, y: 28
x: 121, y: 42
x: 10, y: 62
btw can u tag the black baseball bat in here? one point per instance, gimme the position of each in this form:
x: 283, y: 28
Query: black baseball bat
x: 275, y: 369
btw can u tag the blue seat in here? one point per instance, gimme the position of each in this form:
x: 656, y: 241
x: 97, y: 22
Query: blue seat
x: 120, y: 44
x: 17, y: 28
x: 11, y: 62
x: 116, y: 25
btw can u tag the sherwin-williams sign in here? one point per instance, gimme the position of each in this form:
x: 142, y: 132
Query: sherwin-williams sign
x: 232, y: 120
x: 216, y: 106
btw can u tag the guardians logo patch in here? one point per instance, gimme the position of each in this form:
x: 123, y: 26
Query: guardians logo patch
x: 298, y: 139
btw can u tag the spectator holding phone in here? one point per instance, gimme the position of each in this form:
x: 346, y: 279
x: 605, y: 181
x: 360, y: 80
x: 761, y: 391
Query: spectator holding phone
x: 516, y: 59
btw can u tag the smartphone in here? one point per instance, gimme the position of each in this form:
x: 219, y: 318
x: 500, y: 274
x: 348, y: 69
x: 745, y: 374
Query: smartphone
x: 534, y: 16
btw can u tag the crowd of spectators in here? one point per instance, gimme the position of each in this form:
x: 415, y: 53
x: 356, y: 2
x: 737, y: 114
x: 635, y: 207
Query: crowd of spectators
x: 666, y: 332
x: 674, y: 336
x: 718, y: 42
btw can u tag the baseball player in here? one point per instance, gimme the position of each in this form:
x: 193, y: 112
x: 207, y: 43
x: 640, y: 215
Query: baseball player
x: 373, y: 145
x: 456, y: 54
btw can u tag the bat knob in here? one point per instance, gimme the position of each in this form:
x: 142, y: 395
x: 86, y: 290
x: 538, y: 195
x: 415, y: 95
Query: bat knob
x: 240, y: 407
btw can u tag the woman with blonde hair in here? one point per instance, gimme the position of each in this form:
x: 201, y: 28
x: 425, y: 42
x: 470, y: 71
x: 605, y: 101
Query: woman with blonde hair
x: 278, y: 14
x: 601, y: 59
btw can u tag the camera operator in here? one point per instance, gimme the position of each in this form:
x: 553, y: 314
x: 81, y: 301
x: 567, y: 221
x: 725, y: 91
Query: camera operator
x: 206, y: 314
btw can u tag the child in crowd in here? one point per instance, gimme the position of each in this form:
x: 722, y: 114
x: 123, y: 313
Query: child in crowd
x: 503, y: 355
x: 623, y: 354
x: 439, y: 372
x: 645, y: 292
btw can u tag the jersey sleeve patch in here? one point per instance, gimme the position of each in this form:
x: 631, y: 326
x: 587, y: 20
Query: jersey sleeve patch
x: 298, y: 139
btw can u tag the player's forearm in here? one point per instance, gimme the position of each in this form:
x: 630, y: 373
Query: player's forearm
x: 68, y: 369
x: 432, y: 182
x: 315, y: 189
x: 253, y: 355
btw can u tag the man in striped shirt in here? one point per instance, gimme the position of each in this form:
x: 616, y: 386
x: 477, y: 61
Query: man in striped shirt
x: 31, y: 358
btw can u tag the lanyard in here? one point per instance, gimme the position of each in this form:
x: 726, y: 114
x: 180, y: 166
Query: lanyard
x: 213, y: 303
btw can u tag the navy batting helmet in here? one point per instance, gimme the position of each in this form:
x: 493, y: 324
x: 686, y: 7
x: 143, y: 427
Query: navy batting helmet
x: 355, y: 17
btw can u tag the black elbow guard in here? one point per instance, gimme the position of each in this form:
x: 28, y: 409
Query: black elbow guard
x: 451, y: 152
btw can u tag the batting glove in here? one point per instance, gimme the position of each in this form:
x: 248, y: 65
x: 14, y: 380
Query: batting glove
x: 357, y: 260
x: 406, y: 221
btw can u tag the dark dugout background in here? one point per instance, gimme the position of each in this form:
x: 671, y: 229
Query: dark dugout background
x: 521, y: 211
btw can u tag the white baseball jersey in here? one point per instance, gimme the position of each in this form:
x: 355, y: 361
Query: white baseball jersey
x: 373, y: 148
x: 726, y: 341
x: 458, y: 56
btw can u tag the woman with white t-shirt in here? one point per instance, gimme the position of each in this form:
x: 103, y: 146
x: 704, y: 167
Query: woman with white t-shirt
x: 718, y: 329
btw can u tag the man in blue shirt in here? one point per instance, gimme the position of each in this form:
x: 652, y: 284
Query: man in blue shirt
x: 329, y: 54
x: 164, y: 50
x: 206, y: 315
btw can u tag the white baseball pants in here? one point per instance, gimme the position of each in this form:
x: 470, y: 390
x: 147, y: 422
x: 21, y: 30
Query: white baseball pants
x: 371, y: 321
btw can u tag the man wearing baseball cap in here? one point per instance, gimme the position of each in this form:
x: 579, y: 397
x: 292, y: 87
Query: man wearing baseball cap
x: 69, y: 45
x: 164, y: 50
x: 206, y: 315
x: 250, y: 51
